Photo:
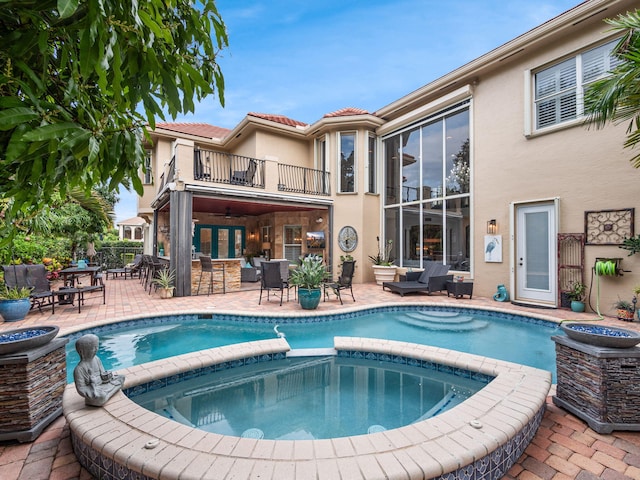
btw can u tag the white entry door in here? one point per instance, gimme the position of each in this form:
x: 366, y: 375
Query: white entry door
x: 536, y: 256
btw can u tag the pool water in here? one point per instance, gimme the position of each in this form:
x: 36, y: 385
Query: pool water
x: 506, y: 337
x: 310, y: 398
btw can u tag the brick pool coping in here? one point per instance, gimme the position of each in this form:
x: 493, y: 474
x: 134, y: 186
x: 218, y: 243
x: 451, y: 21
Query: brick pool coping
x: 485, y: 434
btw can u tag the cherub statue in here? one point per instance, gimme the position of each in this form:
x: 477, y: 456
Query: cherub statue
x: 92, y: 381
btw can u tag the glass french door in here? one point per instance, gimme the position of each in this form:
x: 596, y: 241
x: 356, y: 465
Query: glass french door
x: 220, y: 241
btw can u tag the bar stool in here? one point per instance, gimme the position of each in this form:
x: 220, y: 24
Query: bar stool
x: 206, y: 266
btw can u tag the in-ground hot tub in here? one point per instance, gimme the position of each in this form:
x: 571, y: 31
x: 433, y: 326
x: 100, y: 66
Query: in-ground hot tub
x: 484, y: 435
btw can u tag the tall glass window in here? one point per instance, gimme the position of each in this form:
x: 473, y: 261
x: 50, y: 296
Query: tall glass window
x: 347, y: 167
x: 372, y: 178
x: 429, y: 166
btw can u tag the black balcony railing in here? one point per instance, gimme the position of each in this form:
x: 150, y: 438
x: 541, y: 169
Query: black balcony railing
x: 171, y: 173
x: 221, y: 167
x: 303, y: 180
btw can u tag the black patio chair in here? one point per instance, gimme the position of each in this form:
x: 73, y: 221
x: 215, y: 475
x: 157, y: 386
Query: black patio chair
x: 35, y: 278
x: 344, y: 281
x: 271, y: 279
x: 206, y: 266
x: 245, y: 177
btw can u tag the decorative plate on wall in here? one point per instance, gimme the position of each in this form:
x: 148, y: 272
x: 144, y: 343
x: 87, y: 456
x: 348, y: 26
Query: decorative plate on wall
x: 348, y: 239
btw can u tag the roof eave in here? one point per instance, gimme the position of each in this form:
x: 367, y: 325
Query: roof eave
x: 361, y: 120
x: 527, y: 41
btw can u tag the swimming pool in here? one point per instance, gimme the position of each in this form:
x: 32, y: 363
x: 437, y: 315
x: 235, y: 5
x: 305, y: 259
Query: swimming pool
x: 499, y: 335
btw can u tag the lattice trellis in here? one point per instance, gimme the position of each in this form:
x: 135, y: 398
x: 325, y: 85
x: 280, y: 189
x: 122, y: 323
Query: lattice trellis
x: 570, y: 264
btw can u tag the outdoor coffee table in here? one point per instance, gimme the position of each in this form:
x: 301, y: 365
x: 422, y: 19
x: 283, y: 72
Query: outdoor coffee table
x: 458, y: 289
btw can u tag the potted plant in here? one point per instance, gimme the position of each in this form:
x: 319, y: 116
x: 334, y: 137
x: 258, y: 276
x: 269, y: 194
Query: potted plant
x: 164, y: 282
x: 383, y: 267
x: 14, y: 302
x: 576, y: 295
x: 308, y: 278
x: 625, y: 310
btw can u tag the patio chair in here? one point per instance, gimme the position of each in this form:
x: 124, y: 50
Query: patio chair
x: 200, y: 170
x: 206, y: 266
x: 248, y: 273
x: 35, y: 278
x: 344, y: 282
x: 134, y: 268
x: 271, y: 279
x: 245, y: 177
x: 433, y: 278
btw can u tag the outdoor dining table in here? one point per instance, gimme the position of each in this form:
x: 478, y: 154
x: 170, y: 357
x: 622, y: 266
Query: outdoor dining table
x: 70, y: 275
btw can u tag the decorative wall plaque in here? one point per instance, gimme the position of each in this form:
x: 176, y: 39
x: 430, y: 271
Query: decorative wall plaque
x: 608, y: 227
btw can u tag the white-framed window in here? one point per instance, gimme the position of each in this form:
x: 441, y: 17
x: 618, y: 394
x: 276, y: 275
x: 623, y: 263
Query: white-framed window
x: 559, y: 89
x: 347, y: 162
x: 148, y: 167
x: 293, y: 243
x: 372, y: 177
x: 321, y: 154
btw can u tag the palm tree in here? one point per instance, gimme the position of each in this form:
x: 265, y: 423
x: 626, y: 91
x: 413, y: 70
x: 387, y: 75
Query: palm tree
x: 616, y: 98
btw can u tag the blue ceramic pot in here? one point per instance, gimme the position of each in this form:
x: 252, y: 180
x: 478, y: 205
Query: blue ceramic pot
x: 14, y: 310
x: 309, y: 298
x: 577, y: 306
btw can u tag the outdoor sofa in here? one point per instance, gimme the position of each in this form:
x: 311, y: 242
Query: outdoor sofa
x: 433, y: 278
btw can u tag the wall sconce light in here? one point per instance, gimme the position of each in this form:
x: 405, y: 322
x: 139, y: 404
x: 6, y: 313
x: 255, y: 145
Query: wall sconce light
x: 164, y: 229
x: 492, y: 227
x: 319, y: 220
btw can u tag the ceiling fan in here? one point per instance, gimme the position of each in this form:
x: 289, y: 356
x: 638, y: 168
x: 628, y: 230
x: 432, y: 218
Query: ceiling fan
x: 227, y: 214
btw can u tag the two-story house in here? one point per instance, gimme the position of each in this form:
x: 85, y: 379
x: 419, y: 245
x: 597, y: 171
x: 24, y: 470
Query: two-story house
x: 489, y: 169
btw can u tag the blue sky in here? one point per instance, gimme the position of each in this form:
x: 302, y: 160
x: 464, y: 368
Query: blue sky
x: 303, y: 59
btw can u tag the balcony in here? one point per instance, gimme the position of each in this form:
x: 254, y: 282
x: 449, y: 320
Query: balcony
x: 225, y: 168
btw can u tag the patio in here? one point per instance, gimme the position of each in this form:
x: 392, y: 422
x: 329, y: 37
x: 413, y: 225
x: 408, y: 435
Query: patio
x: 564, y: 446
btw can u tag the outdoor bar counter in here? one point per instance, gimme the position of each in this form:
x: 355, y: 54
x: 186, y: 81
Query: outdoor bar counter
x: 230, y: 278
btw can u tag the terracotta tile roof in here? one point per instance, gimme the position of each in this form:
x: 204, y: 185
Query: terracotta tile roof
x: 133, y: 221
x: 198, y: 129
x: 279, y: 119
x: 344, y: 112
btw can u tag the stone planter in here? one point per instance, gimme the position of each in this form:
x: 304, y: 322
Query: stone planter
x: 384, y: 273
x: 21, y: 339
x: 601, y: 335
x: 598, y: 384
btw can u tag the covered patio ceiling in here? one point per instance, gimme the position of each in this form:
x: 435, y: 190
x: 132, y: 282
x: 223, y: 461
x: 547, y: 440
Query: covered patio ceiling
x: 248, y: 208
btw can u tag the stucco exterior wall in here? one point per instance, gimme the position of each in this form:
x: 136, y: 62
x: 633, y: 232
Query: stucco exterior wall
x: 587, y: 169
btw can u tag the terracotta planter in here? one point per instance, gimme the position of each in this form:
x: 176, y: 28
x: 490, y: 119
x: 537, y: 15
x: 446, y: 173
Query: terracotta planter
x: 384, y: 273
x: 166, y: 292
x: 624, y: 314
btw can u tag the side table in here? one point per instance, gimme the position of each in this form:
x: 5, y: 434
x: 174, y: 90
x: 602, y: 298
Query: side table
x: 458, y: 289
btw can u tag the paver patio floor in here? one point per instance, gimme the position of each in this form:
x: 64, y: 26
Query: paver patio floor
x: 563, y: 448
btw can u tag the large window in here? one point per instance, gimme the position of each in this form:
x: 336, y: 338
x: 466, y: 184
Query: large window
x: 346, y: 162
x: 559, y: 90
x: 427, y: 191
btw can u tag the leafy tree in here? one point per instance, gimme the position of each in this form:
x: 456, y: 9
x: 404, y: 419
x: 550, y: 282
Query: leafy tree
x: 616, y: 98
x: 80, y: 81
